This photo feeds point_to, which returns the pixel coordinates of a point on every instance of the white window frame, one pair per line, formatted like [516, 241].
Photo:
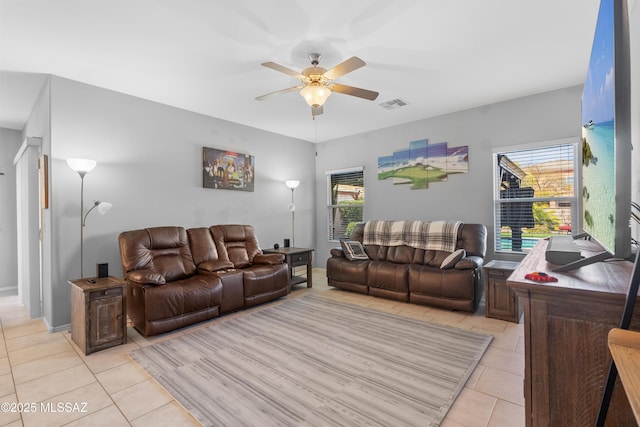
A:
[576, 221]
[330, 206]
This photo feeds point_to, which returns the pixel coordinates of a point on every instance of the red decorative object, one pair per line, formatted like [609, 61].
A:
[565, 227]
[538, 276]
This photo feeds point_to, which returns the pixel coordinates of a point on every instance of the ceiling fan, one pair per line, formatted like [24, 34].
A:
[317, 83]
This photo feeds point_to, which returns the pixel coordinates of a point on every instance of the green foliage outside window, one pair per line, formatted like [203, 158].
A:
[546, 221]
[350, 214]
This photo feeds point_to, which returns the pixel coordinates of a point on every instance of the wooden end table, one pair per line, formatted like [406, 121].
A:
[98, 313]
[296, 257]
[500, 299]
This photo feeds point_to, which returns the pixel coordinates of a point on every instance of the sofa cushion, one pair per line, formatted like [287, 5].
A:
[163, 250]
[341, 270]
[214, 266]
[260, 279]
[473, 239]
[451, 284]
[388, 275]
[180, 297]
[337, 253]
[237, 243]
[451, 260]
[146, 277]
[268, 259]
[170, 264]
[204, 251]
[470, 262]
[401, 254]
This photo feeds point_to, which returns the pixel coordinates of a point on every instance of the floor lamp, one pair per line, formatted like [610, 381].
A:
[83, 167]
[293, 184]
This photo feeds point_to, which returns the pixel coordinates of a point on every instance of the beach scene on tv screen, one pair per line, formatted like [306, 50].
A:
[598, 136]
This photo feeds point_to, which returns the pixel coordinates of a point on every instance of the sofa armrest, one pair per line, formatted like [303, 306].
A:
[469, 263]
[268, 259]
[337, 253]
[214, 265]
[145, 277]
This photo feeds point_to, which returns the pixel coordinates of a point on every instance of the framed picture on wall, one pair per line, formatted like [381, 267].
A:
[227, 170]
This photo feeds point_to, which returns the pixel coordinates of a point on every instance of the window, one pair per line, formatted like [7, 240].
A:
[345, 201]
[535, 195]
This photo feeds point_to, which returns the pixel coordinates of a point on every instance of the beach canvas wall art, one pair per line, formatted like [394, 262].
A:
[422, 163]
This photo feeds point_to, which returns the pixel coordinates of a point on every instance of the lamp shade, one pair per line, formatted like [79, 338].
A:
[104, 207]
[315, 94]
[82, 165]
[292, 183]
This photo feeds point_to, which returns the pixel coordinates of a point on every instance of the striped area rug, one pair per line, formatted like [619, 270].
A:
[310, 361]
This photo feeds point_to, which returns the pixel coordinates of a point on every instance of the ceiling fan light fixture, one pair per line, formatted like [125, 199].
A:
[315, 94]
[317, 82]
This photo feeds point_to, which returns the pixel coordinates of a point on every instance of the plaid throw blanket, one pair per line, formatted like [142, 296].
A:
[427, 235]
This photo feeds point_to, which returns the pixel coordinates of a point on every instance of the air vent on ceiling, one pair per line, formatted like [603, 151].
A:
[394, 103]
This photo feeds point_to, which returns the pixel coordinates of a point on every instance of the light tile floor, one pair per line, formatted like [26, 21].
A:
[53, 383]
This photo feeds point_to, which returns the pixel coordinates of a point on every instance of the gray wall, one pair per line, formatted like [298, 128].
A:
[466, 197]
[149, 166]
[10, 141]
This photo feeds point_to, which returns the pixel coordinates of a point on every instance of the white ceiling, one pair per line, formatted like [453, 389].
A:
[439, 56]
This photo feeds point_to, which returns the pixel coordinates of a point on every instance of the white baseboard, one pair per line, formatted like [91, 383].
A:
[51, 329]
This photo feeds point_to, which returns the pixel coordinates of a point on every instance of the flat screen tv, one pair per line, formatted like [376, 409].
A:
[606, 137]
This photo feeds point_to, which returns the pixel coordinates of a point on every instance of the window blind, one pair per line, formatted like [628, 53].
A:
[345, 201]
[535, 195]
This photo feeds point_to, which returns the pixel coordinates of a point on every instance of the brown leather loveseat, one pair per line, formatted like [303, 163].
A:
[177, 277]
[409, 274]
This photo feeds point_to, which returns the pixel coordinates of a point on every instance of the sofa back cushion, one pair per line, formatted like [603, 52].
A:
[205, 252]
[202, 246]
[237, 243]
[401, 254]
[162, 250]
[405, 255]
[471, 237]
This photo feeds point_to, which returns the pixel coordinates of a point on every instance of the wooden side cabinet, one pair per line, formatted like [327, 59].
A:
[98, 313]
[501, 302]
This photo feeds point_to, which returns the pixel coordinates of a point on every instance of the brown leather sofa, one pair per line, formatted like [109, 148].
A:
[177, 277]
[413, 275]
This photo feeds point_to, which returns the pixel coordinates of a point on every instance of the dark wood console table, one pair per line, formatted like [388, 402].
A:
[296, 257]
[566, 324]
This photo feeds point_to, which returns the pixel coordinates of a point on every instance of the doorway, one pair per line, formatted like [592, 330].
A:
[29, 228]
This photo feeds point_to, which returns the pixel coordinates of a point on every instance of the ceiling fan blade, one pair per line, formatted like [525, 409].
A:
[354, 91]
[316, 111]
[278, 92]
[344, 67]
[283, 69]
